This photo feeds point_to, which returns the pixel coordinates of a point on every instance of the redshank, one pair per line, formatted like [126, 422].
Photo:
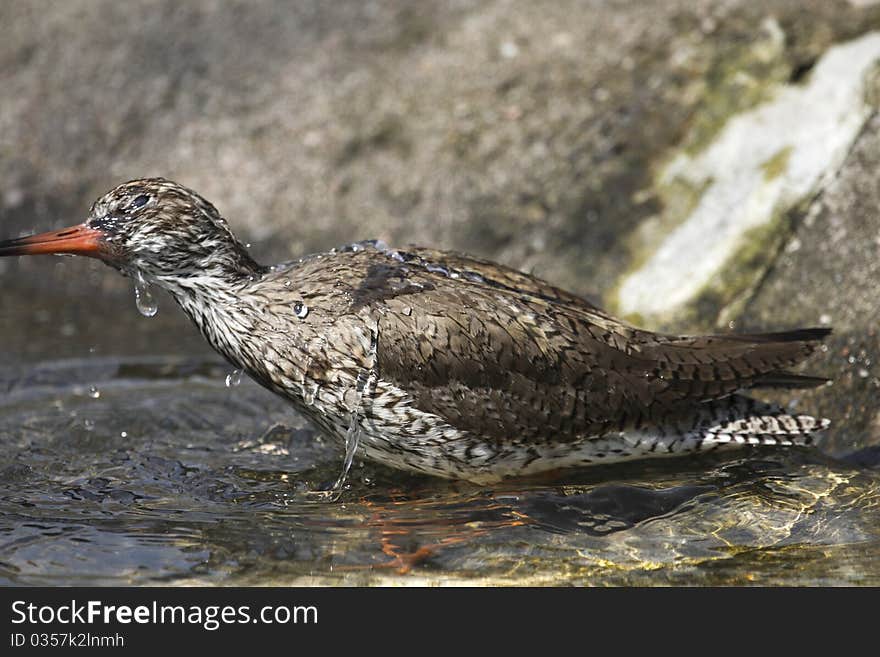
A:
[437, 362]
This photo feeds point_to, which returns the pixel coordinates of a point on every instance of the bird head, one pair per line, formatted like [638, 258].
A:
[151, 229]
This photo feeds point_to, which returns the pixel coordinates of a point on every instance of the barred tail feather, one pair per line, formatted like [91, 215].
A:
[725, 423]
[779, 429]
[742, 420]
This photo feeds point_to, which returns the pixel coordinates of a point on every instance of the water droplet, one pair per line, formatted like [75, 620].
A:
[863, 373]
[351, 399]
[310, 393]
[825, 319]
[143, 298]
[352, 438]
[731, 325]
[363, 380]
[395, 255]
[94, 393]
[301, 310]
[436, 269]
[89, 424]
[123, 434]
[233, 378]
[287, 283]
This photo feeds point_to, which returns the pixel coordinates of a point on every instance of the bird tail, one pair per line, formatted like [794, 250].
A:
[732, 421]
[788, 380]
[743, 420]
[702, 368]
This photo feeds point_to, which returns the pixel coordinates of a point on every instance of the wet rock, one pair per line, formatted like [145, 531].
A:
[828, 272]
[763, 164]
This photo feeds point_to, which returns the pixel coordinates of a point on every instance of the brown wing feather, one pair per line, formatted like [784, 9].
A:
[509, 354]
[501, 276]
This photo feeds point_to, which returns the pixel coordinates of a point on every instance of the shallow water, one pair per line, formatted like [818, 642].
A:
[167, 475]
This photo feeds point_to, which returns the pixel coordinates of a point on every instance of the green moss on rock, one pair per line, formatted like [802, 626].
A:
[776, 165]
[722, 299]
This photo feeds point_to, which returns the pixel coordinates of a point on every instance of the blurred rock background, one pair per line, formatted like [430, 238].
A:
[588, 142]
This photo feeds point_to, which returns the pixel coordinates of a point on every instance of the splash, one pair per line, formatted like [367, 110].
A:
[143, 298]
[352, 440]
[354, 399]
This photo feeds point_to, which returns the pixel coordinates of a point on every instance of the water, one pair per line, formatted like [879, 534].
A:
[431, 267]
[310, 392]
[143, 298]
[178, 479]
[233, 378]
[352, 440]
[301, 310]
[354, 400]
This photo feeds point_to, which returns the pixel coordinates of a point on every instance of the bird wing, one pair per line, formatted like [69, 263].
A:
[505, 354]
[501, 276]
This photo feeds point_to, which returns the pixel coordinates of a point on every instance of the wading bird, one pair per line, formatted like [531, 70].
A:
[436, 362]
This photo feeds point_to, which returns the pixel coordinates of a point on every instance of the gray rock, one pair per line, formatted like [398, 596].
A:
[829, 273]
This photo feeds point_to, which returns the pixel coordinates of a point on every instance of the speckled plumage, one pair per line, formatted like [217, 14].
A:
[447, 364]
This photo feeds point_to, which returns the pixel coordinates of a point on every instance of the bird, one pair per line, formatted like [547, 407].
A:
[440, 363]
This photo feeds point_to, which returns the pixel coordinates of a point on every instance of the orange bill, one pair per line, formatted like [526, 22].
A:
[80, 240]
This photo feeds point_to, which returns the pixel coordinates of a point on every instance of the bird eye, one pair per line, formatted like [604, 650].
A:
[139, 202]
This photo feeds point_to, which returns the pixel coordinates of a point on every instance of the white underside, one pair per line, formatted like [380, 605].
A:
[420, 443]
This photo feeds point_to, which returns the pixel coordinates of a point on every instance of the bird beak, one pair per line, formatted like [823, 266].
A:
[80, 240]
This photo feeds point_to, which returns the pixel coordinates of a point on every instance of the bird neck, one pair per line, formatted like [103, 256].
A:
[225, 319]
[204, 271]
[221, 304]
